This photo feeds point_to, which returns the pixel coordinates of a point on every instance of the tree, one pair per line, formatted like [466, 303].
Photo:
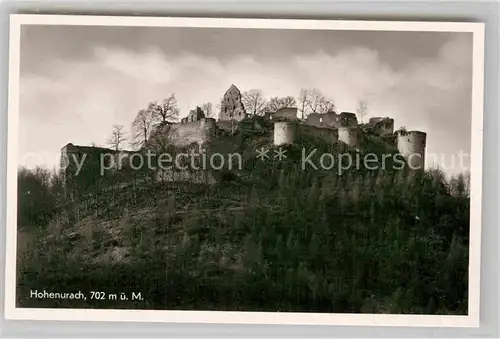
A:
[167, 111]
[327, 105]
[162, 142]
[142, 127]
[318, 103]
[218, 107]
[460, 185]
[362, 110]
[57, 184]
[303, 100]
[254, 102]
[207, 109]
[36, 204]
[314, 101]
[117, 137]
[275, 103]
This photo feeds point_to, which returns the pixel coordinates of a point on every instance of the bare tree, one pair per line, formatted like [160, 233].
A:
[314, 101]
[362, 110]
[218, 108]
[254, 102]
[167, 111]
[162, 141]
[207, 109]
[327, 105]
[318, 103]
[117, 137]
[275, 103]
[142, 126]
[303, 100]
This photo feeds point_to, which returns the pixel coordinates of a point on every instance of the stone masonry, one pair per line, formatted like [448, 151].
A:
[231, 105]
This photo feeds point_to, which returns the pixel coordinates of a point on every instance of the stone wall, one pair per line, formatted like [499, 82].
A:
[194, 115]
[374, 120]
[227, 125]
[285, 113]
[329, 119]
[329, 135]
[350, 136]
[381, 126]
[71, 154]
[286, 133]
[86, 165]
[188, 133]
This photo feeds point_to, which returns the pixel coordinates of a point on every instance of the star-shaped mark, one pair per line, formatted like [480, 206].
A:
[262, 154]
[280, 154]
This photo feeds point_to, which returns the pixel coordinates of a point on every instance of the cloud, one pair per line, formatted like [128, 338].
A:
[149, 66]
[435, 95]
[79, 102]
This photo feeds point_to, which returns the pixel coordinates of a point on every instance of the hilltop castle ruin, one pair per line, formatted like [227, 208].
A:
[287, 128]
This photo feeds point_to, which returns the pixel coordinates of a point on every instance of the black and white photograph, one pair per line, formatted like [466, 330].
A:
[244, 170]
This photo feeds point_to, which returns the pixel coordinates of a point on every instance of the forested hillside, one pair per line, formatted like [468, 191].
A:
[271, 237]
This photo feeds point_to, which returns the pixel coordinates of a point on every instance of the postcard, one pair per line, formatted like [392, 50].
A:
[256, 171]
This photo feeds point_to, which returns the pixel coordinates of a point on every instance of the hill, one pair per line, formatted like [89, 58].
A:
[271, 236]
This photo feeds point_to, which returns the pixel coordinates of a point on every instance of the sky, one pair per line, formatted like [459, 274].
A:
[76, 82]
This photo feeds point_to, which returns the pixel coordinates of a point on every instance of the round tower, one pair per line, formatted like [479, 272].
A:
[411, 145]
[349, 135]
[207, 129]
[284, 133]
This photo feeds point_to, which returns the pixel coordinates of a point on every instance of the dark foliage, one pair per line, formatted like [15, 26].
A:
[279, 238]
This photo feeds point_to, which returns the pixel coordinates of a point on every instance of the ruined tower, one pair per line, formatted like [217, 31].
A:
[381, 126]
[347, 119]
[411, 145]
[231, 107]
[84, 165]
[196, 114]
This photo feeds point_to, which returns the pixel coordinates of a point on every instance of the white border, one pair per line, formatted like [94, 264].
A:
[471, 320]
